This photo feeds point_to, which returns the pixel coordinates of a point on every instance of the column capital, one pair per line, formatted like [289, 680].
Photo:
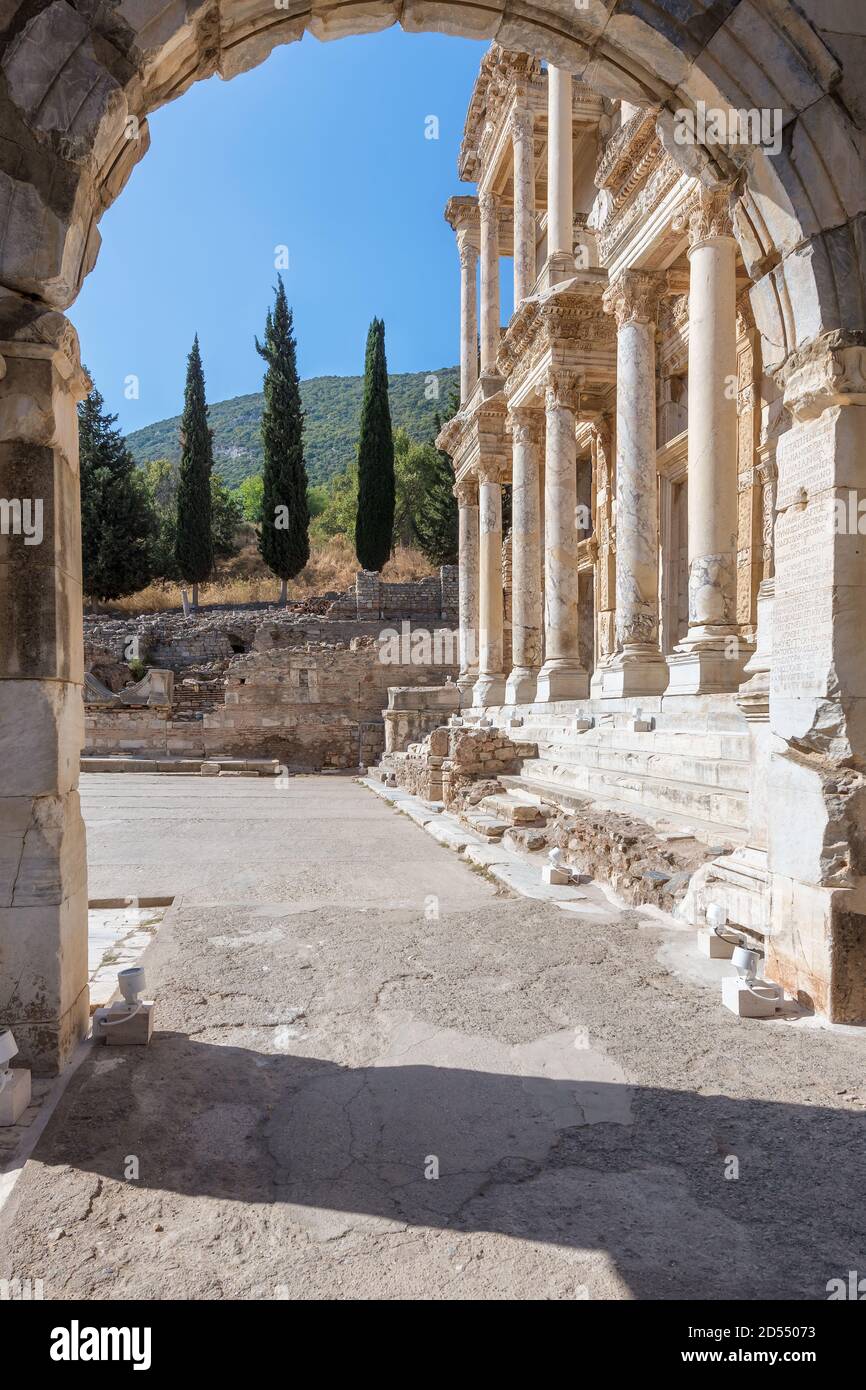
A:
[466, 492]
[561, 388]
[708, 214]
[488, 204]
[525, 424]
[521, 123]
[467, 252]
[489, 470]
[634, 296]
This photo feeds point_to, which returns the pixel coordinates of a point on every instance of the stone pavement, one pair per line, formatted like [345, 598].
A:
[346, 1010]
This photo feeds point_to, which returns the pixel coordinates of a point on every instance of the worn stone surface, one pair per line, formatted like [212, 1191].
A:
[321, 1049]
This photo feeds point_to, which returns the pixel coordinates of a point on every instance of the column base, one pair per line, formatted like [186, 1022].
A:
[521, 686]
[646, 674]
[707, 670]
[566, 681]
[466, 684]
[489, 690]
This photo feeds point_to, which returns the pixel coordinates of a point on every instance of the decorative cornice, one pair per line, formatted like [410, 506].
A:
[634, 297]
[540, 324]
[461, 213]
[626, 148]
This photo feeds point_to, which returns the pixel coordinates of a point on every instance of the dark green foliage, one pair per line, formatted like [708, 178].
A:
[374, 524]
[332, 411]
[118, 524]
[437, 521]
[193, 544]
[283, 540]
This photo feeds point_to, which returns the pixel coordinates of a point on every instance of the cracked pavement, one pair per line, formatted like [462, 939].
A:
[376, 1074]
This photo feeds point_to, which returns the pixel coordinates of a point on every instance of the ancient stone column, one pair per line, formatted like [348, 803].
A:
[490, 687]
[466, 493]
[523, 148]
[527, 633]
[560, 174]
[468, 317]
[561, 677]
[638, 667]
[489, 209]
[707, 659]
[43, 866]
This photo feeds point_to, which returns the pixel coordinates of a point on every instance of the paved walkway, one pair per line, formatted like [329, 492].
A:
[375, 1076]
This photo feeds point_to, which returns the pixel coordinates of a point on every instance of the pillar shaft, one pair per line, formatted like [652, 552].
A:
[526, 592]
[468, 318]
[524, 203]
[43, 866]
[561, 677]
[638, 667]
[706, 659]
[489, 209]
[560, 191]
[490, 687]
[467, 503]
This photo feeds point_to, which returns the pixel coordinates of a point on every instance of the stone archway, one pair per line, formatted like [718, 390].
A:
[76, 87]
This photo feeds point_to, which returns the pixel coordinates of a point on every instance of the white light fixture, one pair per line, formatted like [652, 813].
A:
[130, 1019]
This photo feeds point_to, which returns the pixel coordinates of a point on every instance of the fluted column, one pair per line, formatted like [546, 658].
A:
[638, 667]
[708, 659]
[490, 687]
[489, 208]
[466, 493]
[468, 316]
[560, 176]
[523, 149]
[561, 677]
[527, 634]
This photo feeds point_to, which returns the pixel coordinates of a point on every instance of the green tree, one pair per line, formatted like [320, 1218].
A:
[160, 480]
[118, 525]
[374, 523]
[284, 539]
[337, 517]
[436, 522]
[227, 514]
[193, 544]
[250, 493]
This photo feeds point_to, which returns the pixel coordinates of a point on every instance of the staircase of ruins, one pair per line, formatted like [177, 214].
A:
[685, 771]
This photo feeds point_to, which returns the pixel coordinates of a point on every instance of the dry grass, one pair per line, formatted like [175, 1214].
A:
[245, 579]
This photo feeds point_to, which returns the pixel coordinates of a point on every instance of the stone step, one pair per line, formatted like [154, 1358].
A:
[183, 767]
[489, 827]
[713, 804]
[574, 801]
[706, 770]
[512, 809]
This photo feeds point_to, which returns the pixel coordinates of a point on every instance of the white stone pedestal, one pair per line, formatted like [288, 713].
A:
[14, 1096]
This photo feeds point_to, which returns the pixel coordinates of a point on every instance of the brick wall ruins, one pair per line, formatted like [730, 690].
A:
[304, 686]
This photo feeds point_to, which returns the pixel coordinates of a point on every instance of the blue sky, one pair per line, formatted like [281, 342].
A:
[321, 149]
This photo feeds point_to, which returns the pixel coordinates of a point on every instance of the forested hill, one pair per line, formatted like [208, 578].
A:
[333, 410]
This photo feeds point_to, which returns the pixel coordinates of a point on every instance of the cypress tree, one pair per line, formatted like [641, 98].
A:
[193, 546]
[374, 523]
[284, 538]
[118, 525]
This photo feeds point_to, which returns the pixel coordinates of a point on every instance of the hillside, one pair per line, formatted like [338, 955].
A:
[333, 409]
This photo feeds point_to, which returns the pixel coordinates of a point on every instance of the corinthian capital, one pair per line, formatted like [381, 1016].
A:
[521, 124]
[488, 204]
[561, 389]
[525, 425]
[468, 254]
[489, 470]
[709, 213]
[634, 297]
[466, 492]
